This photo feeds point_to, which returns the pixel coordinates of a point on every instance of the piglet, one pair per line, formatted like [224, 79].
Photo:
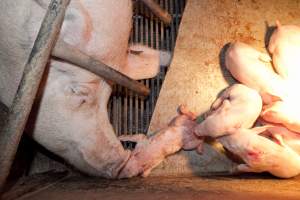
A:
[151, 151]
[229, 124]
[284, 46]
[261, 154]
[254, 69]
[286, 113]
[238, 106]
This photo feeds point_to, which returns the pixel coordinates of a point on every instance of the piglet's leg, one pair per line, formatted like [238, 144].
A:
[144, 62]
[185, 111]
[282, 113]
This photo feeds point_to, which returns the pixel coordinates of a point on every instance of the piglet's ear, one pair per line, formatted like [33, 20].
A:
[144, 62]
[269, 98]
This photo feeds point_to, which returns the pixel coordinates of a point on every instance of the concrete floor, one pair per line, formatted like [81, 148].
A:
[66, 186]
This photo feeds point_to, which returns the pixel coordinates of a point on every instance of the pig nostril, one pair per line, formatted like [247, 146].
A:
[128, 145]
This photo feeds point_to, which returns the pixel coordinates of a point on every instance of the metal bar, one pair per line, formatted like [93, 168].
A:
[136, 100]
[147, 80]
[168, 30]
[12, 131]
[152, 36]
[176, 20]
[67, 52]
[173, 27]
[142, 101]
[125, 113]
[114, 106]
[159, 29]
[130, 96]
[120, 110]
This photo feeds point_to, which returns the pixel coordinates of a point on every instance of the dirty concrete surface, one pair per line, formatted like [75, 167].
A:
[75, 187]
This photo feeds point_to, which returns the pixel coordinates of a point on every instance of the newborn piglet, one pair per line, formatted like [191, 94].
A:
[261, 154]
[150, 151]
[254, 69]
[258, 153]
[286, 113]
[237, 107]
[284, 46]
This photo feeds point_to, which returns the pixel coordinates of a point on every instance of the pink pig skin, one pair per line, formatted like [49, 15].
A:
[284, 46]
[261, 154]
[290, 138]
[254, 69]
[150, 152]
[237, 107]
[231, 129]
[70, 116]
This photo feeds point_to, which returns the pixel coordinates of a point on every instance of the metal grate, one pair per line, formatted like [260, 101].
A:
[128, 113]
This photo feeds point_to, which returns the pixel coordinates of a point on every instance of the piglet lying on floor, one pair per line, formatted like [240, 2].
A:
[254, 69]
[150, 152]
[284, 46]
[259, 153]
[237, 107]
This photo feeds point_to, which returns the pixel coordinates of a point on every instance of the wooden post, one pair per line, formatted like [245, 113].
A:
[12, 131]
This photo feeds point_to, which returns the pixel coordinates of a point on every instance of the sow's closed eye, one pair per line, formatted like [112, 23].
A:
[80, 95]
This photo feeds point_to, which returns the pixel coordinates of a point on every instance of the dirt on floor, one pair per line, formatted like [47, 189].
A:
[69, 186]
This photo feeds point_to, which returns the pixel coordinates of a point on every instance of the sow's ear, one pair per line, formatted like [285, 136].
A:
[144, 62]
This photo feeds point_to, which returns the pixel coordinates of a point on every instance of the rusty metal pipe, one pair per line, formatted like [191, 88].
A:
[12, 131]
[72, 55]
[163, 15]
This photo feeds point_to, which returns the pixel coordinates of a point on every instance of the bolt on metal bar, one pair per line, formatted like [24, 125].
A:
[12, 131]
